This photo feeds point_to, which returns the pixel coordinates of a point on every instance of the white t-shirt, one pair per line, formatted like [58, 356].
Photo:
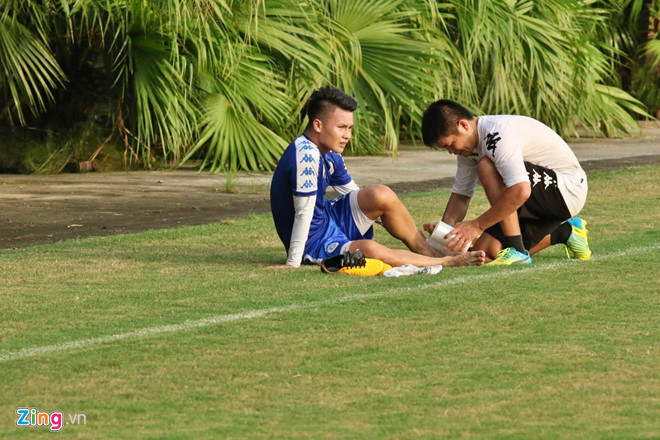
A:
[510, 141]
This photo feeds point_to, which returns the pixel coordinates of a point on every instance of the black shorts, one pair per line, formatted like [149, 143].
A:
[542, 212]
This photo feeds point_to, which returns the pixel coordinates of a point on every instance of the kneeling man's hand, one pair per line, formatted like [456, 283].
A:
[465, 234]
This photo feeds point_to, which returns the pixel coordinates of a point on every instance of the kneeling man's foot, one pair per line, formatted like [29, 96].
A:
[511, 256]
[578, 242]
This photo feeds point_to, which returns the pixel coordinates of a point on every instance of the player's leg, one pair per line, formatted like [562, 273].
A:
[545, 217]
[399, 257]
[573, 234]
[537, 233]
[489, 244]
[507, 246]
[494, 187]
[380, 201]
[513, 250]
[347, 214]
[492, 240]
[543, 244]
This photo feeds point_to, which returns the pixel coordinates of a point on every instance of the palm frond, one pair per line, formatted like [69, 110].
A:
[384, 58]
[653, 52]
[250, 66]
[234, 139]
[164, 110]
[538, 59]
[28, 71]
[285, 31]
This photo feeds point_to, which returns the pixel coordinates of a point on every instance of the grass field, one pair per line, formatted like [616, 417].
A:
[184, 334]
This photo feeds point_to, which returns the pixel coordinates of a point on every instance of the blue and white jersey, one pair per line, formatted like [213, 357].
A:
[304, 172]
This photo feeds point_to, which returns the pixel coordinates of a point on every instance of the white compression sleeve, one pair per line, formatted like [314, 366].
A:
[346, 188]
[304, 207]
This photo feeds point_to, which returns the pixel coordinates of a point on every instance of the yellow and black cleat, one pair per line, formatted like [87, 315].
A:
[354, 264]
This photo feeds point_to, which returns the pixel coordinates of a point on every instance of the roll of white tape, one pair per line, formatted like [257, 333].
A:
[437, 240]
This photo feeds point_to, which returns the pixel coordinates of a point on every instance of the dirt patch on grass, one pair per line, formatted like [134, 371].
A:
[47, 209]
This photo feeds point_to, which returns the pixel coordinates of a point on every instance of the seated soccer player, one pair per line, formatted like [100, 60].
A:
[313, 229]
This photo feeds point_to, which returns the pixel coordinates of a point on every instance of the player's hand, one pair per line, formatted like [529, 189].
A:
[430, 227]
[464, 234]
[281, 266]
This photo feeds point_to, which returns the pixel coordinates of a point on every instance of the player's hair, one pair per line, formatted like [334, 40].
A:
[441, 119]
[326, 97]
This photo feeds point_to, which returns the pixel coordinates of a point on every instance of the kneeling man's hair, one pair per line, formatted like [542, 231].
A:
[441, 119]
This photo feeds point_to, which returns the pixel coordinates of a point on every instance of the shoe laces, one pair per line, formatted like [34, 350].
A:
[507, 254]
[356, 259]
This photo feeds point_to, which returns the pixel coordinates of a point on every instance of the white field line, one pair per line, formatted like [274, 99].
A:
[206, 322]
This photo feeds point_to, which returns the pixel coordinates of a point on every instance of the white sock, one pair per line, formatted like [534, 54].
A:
[409, 269]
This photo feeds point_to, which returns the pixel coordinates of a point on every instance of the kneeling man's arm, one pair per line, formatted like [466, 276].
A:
[511, 199]
[456, 209]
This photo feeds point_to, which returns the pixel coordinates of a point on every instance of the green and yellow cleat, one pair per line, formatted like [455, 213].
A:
[577, 245]
[511, 256]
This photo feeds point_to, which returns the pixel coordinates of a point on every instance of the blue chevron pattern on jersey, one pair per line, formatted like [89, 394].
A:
[304, 171]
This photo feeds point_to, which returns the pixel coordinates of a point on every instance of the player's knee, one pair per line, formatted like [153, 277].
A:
[372, 249]
[381, 195]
